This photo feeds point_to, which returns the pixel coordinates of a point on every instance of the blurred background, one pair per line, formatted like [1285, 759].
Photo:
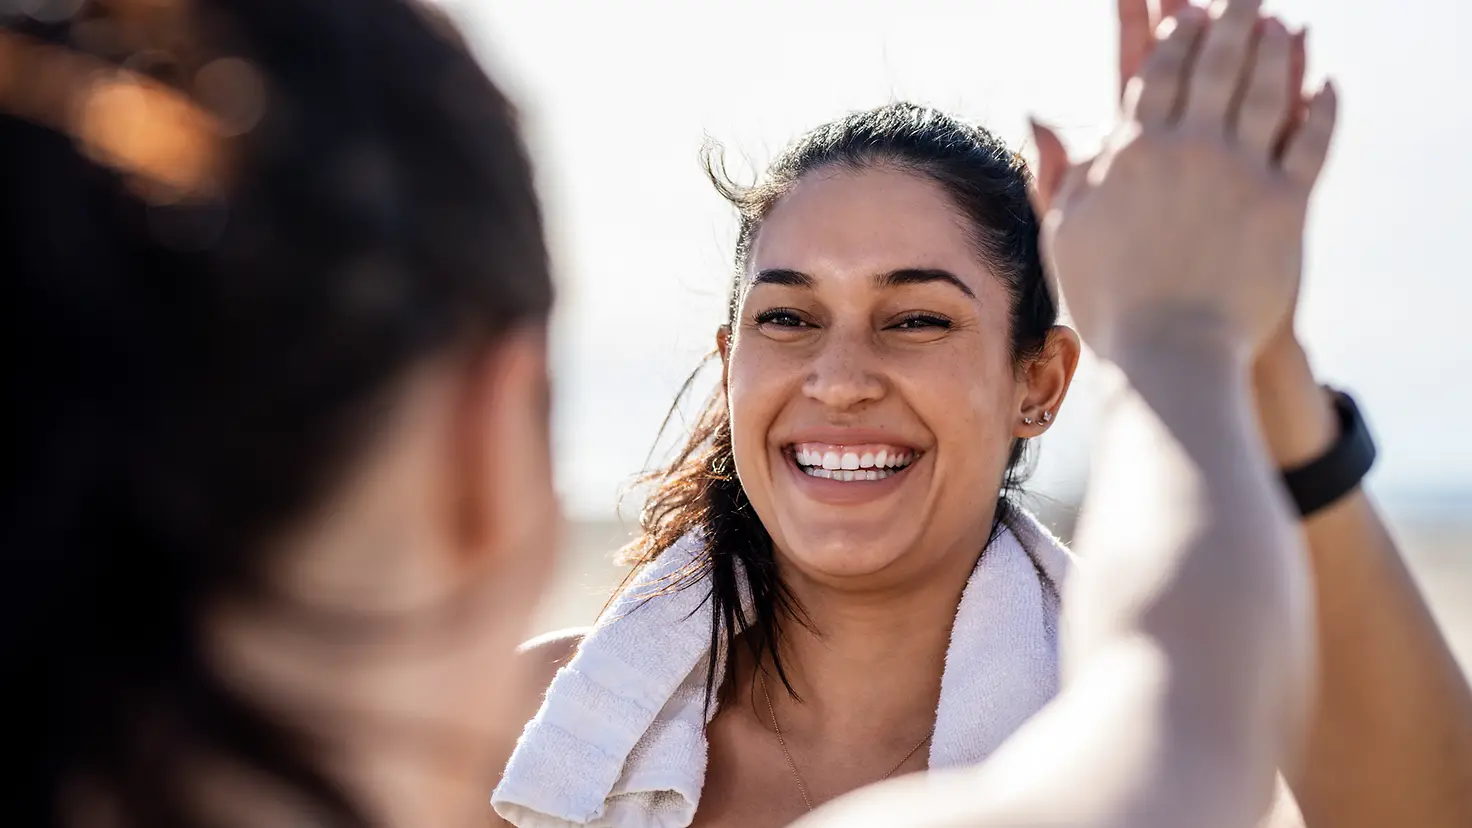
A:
[619, 97]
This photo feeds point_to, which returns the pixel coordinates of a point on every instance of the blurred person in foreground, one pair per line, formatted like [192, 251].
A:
[835, 583]
[279, 498]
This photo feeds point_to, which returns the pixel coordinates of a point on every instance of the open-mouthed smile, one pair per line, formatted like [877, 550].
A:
[851, 463]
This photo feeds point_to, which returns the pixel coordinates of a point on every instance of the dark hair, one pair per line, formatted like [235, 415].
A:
[699, 490]
[209, 299]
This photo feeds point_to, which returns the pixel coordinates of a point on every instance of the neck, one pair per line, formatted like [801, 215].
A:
[869, 669]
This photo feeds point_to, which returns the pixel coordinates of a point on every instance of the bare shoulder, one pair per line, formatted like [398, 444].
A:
[536, 662]
[541, 657]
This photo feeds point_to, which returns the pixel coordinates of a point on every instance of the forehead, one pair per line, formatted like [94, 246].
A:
[847, 223]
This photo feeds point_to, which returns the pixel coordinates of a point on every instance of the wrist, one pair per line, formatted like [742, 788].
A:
[1197, 376]
[1169, 342]
[1296, 414]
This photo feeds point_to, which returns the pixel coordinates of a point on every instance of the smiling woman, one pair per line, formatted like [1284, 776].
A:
[846, 499]
[907, 333]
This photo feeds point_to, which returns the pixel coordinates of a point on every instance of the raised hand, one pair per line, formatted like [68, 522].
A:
[1138, 23]
[1192, 217]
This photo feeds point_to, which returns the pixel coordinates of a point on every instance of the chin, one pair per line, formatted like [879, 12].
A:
[842, 552]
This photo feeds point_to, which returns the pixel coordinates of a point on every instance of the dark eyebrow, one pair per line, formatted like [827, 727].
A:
[782, 276]
[894, 278]
[920, 276]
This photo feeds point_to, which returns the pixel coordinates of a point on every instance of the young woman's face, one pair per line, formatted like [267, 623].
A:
[869, 375]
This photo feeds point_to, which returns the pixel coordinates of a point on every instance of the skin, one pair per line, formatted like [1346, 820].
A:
[1390, 741]
[414, 702]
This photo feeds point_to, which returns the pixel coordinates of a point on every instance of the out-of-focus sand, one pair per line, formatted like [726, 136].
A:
[1440, 556]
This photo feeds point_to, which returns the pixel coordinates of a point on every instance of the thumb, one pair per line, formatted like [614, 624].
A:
[1052, 168]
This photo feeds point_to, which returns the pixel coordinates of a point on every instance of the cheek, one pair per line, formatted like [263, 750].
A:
[755, 392]
[970, 405]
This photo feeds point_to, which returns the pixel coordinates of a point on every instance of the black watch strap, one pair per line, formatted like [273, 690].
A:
[1338, 471]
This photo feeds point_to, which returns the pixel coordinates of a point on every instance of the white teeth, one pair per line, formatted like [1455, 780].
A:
[850, 465]
[848, 475]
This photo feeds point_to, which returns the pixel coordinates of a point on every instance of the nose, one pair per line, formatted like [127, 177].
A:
[845, 374]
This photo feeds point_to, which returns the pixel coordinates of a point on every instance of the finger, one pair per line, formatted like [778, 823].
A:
[1167, 9]
[1052, 168]
[1267, 100]
[1136, 37]
[1155, 93]
[1219, 67]
[1309, 146]
[1298, 62]
[1298, 67]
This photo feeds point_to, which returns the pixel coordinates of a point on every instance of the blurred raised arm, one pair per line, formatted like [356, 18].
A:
[1390, 740]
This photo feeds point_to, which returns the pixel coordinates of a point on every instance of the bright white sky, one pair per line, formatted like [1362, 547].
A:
[618, 97]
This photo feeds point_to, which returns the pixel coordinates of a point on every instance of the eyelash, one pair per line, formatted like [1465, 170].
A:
[771, 317]
[930, 320]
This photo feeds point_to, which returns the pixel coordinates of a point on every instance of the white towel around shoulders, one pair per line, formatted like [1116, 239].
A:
[620, 739]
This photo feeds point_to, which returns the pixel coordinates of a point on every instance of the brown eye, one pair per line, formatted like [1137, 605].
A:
[922, 321]
[781, 318]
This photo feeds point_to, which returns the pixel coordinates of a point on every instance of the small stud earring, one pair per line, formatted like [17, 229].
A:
[1027, 420]
[1047, 416]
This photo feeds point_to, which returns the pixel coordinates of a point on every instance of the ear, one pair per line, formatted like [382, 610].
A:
[1046, 382]
[507, 515]
[723, 347]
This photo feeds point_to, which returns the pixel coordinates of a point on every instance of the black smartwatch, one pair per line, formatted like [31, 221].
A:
[1338, 471]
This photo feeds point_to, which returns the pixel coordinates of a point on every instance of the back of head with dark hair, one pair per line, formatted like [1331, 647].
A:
[699, 491]
[216, 264]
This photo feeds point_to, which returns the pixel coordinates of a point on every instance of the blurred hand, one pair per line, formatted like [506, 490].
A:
[1139, 23]
[1296, 419]
[1192, 217]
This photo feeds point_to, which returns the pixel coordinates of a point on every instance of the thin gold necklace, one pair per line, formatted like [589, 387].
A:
[803, 789]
